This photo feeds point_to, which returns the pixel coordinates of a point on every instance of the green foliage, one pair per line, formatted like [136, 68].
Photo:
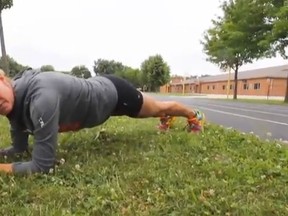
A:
[239, 37]
[102, 66]
[155, 72]
[118, 169]
[5, 4]
[81, 71]
[236, 38]
[279, 36]
[132, 75]
[14, 66]
[47, 68]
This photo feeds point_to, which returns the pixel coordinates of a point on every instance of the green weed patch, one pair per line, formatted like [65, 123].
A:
[126, 167]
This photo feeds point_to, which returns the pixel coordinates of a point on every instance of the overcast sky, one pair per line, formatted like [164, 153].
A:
[66, 33]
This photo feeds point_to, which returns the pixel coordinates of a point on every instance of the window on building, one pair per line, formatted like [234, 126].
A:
[231, 86]
[223, 87]
[213, 87]
[256, 85]
[208, 87]
[245, 86]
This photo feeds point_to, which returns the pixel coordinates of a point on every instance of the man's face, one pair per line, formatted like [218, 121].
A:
[6, 96]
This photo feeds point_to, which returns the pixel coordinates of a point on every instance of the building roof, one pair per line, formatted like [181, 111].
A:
[269, 72]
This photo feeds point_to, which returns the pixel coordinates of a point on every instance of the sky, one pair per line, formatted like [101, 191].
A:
[67, 33]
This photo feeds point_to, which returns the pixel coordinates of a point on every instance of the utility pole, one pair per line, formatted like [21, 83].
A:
[3, 49]
[228, 82]
[286, 93]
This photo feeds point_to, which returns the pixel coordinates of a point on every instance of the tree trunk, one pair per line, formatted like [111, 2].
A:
[3, 49]
[286, 94]
[235, 82]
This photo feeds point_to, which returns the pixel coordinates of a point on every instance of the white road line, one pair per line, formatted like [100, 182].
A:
[243, 116]
[250, 110]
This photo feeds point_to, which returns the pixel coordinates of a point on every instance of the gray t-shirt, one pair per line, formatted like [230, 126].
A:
[50, 102]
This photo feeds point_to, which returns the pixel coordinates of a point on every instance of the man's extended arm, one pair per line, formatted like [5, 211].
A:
[44, 113]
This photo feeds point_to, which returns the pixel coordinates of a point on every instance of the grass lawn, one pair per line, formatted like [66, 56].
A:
[259, 101]
[126, 167]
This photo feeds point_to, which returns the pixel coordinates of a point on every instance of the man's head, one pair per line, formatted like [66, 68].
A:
[6, 94]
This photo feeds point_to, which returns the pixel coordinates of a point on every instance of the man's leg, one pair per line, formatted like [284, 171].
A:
[167, 109]
[136, 104]
[154, 108]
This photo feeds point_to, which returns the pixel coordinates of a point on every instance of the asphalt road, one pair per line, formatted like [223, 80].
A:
[266, 121]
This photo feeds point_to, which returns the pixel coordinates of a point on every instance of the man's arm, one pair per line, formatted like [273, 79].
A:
[44, 113]
[19, 139]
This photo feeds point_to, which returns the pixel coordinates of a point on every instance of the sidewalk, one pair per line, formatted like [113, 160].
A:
[280, 98]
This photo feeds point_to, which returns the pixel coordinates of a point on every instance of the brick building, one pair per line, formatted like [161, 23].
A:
[271, 81]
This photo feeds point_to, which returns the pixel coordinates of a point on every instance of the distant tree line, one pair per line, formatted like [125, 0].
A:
[154, 72]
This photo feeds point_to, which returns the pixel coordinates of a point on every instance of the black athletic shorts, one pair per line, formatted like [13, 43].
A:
[130, 100]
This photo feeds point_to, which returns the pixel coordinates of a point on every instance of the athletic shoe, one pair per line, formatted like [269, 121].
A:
[196, 124]
[166, 122]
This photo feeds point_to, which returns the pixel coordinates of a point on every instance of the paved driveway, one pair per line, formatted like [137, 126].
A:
[266, 121]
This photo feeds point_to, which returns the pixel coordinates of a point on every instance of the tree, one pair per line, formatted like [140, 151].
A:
[280, 31]
[47, 68]
[276, 15]
[132, 75]
[4, 4]
[280, 35]
[81, 71]
[239, 37]
[155, 72]
[15, 67]
[102, 66]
